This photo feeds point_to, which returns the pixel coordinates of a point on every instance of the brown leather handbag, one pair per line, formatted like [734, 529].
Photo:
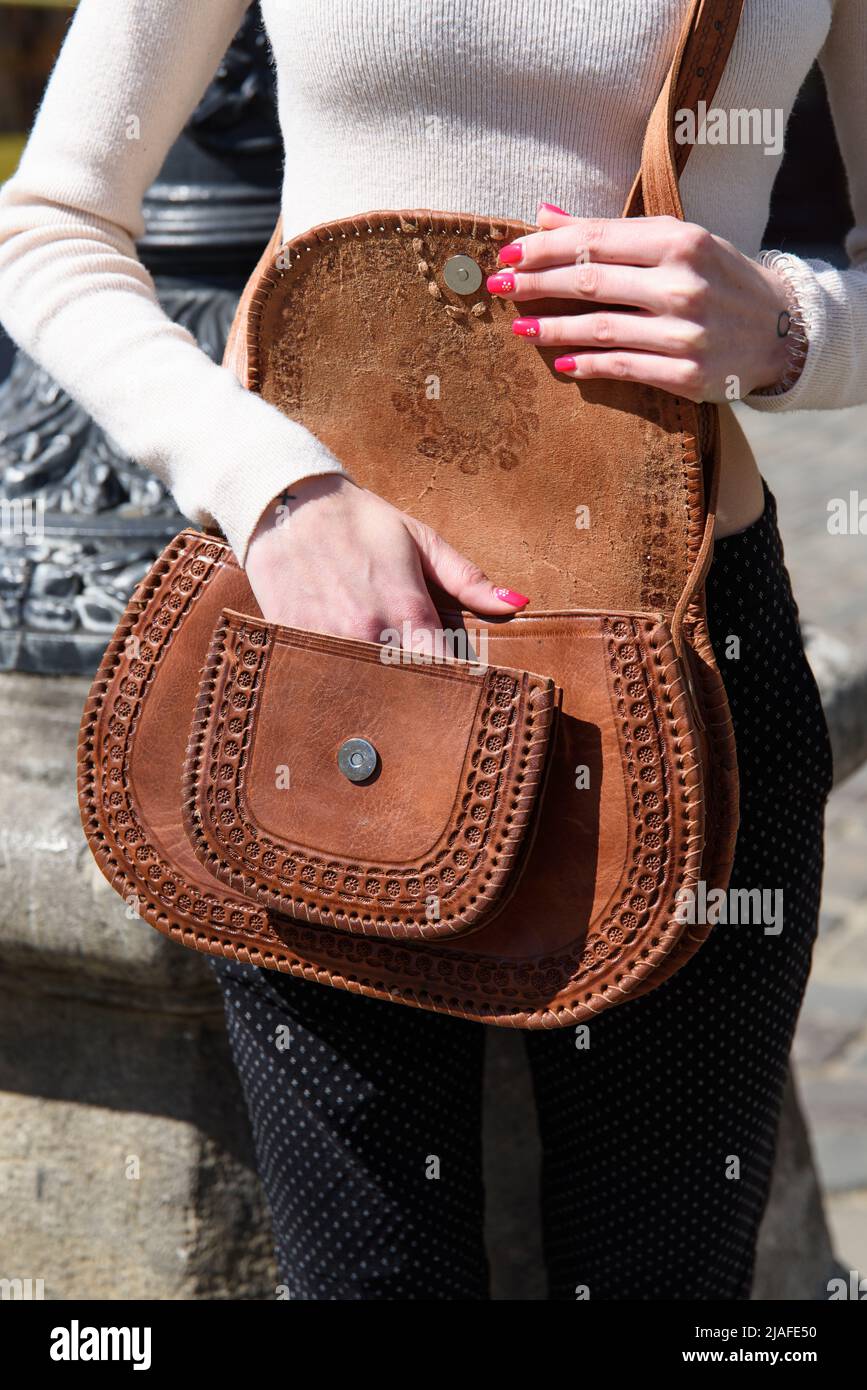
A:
[501, 834]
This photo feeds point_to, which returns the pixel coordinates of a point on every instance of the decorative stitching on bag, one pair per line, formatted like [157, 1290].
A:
[174, 584]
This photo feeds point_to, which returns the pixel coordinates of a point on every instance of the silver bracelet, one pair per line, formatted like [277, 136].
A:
[790, 324]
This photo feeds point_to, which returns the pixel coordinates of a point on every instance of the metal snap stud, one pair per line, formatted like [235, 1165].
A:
[357, 759]
[462, 274]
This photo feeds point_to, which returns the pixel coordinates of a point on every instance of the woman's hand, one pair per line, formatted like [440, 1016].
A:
[332, 557]
[690, 314]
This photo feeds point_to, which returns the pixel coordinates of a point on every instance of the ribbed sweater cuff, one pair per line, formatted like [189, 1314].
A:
[834, 357]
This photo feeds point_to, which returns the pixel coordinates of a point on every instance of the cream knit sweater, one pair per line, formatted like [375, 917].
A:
[466, 105]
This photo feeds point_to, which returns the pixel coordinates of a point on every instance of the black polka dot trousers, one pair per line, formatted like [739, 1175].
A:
[658, 1135]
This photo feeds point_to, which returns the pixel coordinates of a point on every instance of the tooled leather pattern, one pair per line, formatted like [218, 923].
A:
[111, 815]
[633, 941]
[471, 863]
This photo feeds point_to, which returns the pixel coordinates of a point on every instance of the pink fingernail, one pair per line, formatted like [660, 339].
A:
[511, 254]
[565, 364]
[551, 207]
[526, 328]
[501, 284]
[511, 596]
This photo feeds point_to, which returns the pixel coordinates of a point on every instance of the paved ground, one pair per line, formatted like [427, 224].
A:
[808, 459]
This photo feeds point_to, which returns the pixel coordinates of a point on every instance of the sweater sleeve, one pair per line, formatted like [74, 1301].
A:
[75, 296]
[834, 302]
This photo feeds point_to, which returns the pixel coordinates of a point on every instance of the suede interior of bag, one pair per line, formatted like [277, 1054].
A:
[430, 400]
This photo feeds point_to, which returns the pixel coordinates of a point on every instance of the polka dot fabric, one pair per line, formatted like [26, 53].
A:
[360, 1103]
[658, 1136]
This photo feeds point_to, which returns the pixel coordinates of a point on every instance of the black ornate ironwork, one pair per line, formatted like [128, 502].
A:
[80, 522]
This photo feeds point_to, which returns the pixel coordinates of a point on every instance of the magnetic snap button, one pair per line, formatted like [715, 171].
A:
[462, 274]
[357, 759]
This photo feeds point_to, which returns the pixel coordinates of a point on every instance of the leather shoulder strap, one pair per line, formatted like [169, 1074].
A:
[699, 59]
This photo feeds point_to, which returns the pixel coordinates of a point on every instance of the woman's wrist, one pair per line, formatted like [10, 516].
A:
[286, 503]
[791, 325]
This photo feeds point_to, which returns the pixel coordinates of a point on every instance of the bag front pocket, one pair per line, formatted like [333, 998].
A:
[344, 783]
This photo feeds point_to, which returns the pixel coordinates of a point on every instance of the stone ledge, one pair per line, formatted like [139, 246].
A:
[841, 676]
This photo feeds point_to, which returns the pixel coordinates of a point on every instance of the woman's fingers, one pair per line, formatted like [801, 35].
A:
[642, 241]
[458, 576]
[655, 263]
[682, 377]
[710, 326]
[660, 333]
[602, 284]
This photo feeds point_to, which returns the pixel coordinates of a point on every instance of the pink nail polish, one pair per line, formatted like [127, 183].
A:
[552, 207]
[526, 328]
[510, 596]
[564, 364]
[511, 254]
[501, 284]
